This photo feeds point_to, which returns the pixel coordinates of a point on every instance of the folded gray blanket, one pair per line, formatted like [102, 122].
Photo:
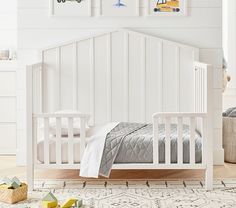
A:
[133, 143]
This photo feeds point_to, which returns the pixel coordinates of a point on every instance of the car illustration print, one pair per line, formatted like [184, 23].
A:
[167, 6]
[63, 1]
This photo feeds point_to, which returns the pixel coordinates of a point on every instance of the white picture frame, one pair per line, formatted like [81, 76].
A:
[70, 8]
[119, 8]
[167, 8]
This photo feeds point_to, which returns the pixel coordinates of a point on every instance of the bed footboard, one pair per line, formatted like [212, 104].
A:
[194, 120]
[44, 129]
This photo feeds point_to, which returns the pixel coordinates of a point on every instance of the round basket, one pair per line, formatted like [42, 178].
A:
[229, 139]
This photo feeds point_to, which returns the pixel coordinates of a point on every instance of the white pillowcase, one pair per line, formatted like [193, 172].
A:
[65, 125]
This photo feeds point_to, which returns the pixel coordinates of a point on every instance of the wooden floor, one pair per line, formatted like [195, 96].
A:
[8, 168]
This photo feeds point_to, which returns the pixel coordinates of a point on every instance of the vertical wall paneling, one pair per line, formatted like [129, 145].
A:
[126, 75]
[101, 96]
[41, 89]
[109, 78]
[169, 76]
[153, 77]
[135, 78]
[67, 76]
[51, 85]
[43, 83]
[177, 69]
[75, 76]
[120, 76]
[84, 76]
[58, 77]
[92, 82]
[43, 96]
[118, 86]
[143, 97]
[160, 65]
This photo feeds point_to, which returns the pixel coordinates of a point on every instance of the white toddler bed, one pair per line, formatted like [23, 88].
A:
[136, 78]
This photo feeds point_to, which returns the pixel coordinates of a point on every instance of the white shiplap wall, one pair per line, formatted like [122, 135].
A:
[202, 28]
[8, 28]
[229, 44]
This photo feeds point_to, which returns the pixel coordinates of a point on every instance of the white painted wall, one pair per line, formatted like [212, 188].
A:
[8, 40]
[8, 28]
[202, 28]
[229, 45]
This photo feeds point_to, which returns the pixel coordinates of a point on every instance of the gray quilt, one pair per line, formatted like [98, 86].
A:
[133, 143]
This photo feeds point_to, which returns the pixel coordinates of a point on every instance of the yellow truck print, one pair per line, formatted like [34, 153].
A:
[167, 6]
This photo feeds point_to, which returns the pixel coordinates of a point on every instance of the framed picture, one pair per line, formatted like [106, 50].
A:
[167, 7]
[70, 8]
[120, 8]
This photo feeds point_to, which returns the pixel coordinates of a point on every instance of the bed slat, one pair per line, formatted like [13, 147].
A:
[35, 141]
[70, 141]
[192, 140]
[58, 141]
[180, 140]
[204, 142]
[167, 140]
[82, 136]
[155, 142]
[46, 141]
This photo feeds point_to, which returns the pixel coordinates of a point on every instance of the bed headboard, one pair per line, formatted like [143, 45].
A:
[120, 75]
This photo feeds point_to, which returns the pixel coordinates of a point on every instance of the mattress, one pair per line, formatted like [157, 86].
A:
[135, 148]
[64, 147]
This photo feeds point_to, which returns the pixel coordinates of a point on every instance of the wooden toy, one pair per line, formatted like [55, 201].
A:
[49, 201]
[72, 203]
[16, 180]
[15, 185]
[7, 181]
[69, 203]
[4, 186]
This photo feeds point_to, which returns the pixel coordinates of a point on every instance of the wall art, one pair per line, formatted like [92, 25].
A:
[167, 7]
[70, 8]
[119, 8]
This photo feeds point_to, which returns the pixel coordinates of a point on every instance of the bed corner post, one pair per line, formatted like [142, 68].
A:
[29, 125]
[209, 140]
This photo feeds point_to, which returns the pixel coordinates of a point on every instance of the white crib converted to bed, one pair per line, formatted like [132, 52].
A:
[120, 75]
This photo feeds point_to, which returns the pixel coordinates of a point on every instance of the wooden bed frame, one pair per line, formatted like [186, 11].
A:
[40, 90]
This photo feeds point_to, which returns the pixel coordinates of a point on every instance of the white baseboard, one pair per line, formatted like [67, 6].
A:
[7, 151]
[218, 156]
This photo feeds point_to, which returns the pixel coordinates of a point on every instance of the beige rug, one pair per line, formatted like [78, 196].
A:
[136, 194]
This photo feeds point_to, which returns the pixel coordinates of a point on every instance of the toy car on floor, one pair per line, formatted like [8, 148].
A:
[167, 6]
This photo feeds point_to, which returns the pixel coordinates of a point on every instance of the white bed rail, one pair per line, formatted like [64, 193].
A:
[204, 103]
[179, 119]
[200, 120]
[45, 121]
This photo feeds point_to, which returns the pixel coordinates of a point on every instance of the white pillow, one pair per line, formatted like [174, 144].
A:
[65, 125]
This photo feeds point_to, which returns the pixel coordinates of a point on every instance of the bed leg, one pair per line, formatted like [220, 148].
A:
[30, 177]
[209, 178]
